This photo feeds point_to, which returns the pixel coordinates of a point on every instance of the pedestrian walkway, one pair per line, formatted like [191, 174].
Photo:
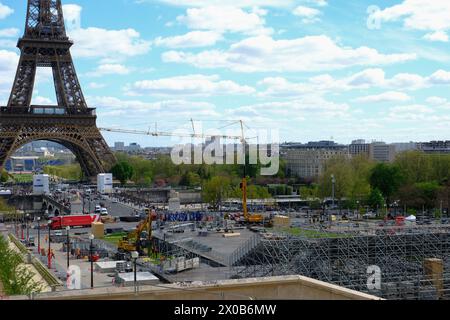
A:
[100, 279]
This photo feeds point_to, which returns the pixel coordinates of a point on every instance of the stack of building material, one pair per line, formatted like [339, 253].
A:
[143, 278]
[231, 235]
[281, 221]
[107, 266]
[434, 269]
[98, 230]
[108, 219]
[181, 264]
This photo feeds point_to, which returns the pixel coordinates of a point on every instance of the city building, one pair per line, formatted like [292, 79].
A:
[435, 147]
[382, 152]
[119, 146]
[359, 147]
[133, 148]
[308, 160]
[405, 146]
[379, 151]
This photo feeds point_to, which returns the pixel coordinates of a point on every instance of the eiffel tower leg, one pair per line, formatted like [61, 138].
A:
[22, 90]
[86, 144]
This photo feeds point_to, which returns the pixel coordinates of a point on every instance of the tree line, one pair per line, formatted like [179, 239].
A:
[415, 180]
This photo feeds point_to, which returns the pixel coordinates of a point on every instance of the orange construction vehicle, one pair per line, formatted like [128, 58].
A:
[140, 237]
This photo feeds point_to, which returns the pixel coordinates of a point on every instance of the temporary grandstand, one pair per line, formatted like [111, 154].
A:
[414, 261]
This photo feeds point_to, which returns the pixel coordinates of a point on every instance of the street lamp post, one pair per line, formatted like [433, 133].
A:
[91, 249]
[27, 220]
[357, 209]
[333, 182]
[84, 198]
[22, 226]
[68, 247]
[135, 256]
[49, 255]
[39, 234]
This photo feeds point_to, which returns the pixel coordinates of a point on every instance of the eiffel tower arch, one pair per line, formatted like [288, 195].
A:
[71, 122]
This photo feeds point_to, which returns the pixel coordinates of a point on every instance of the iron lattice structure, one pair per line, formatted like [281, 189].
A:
[70, 123]
[343, 259]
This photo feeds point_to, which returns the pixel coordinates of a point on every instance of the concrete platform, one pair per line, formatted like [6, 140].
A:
[221, 248]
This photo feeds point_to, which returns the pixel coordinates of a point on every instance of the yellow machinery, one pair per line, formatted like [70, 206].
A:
[136, 239]
[248, 218]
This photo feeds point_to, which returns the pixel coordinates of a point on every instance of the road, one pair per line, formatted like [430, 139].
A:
[114, 209]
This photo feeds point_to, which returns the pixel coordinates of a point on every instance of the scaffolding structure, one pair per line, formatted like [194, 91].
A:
[402, 254]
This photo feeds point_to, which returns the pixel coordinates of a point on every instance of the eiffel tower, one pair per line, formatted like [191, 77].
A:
[70, 123]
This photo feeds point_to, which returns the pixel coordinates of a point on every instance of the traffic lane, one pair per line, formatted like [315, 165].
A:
[126, 226]
[114, 209]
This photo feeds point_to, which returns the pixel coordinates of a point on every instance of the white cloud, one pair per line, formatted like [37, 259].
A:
[9, 32]
[107, 69]
[411, 112]
[5, 11]
[305, 107]
[234, 3]
[308, 14]
[264, 54]
[439, 102]
[225, 19]
[366, 79]
[436, 100]
[168, 109]
[192, 39]
[190, 85]
[320, 3]
[42, 101]
[97, 42]
[7, 44]
[96, 85]
[390, 96]
[72, 16]
[440, 77]
[8, 65]
[439, 36]
[102, 43]
[421, 15]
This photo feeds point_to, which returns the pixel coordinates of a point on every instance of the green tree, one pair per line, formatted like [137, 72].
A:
[375, 200]
[216, 190]
[386, 178]
[4, 176]
[16, 278]
[309, 192]
[123, 171]
[257, 192]
[68, 172]
[414, 166]
[341, 169]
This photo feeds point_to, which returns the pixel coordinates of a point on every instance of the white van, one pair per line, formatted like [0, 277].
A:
[103, 212]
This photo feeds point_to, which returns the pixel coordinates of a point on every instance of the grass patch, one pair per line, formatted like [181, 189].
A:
[115, 237]
[23, 178]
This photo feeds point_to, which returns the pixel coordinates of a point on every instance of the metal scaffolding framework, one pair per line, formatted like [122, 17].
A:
[414, 261]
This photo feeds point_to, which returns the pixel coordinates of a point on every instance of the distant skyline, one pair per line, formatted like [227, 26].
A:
[312, 69]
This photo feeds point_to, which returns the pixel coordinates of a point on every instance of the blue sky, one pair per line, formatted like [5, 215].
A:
[311, 69]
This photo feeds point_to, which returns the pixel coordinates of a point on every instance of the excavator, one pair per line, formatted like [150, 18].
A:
[140, 237]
